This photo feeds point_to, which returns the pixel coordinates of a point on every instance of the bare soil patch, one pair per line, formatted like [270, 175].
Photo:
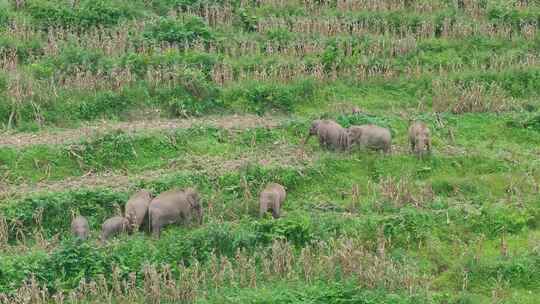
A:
[59, 137]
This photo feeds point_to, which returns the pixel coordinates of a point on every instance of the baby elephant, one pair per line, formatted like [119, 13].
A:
[420, 138]
[174, 206]
[272, 197]
[113, 226]
[80, 227]
[372, 137]
[137, 209]
[331, 135]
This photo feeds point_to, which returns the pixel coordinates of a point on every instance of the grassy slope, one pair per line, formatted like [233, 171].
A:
[461, 226]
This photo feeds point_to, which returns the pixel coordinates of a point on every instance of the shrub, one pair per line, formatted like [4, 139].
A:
[181, 32]
[15, 269]
[262, 97]
[56, 210]
[280, 35]
[4, 18]
[516, 18]
[106, 104]
[73, 261]
[72, 60]
[88, 13]
[363, 118]
[247, 21]
[192, 95]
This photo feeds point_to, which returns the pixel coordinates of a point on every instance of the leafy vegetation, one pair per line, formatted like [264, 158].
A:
[458, 226]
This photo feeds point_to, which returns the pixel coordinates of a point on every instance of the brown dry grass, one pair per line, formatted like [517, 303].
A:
[323, 260]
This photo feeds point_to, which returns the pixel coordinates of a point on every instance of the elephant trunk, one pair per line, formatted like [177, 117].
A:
[200, 216]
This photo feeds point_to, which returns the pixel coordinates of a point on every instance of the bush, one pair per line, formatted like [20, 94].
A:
[514, 17]
[107, 104]
[72, 60]
[181, 32]
[56, 210]
[192, 95]
[73, 261]
[362, 119]
[88, 13]
[4, 18]
[260, 98]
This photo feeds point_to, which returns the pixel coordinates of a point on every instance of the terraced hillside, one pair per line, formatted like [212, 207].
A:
[101, 98]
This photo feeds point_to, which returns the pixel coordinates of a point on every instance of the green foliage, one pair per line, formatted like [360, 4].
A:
[4, 18]
[194, 95]
[262, 97]
[280, 35]
[87, 13]
[318, 292]
[357, 119]
[71, 61]
[505, 14]
[73, 261]
[14, 269]
[55, 210]
[248, 22]
[475, 197]
[179, 31]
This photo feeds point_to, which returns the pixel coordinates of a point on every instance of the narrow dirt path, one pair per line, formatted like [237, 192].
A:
[281, 155]
[59, 137]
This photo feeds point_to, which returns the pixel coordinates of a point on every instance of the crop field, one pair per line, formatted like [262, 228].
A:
[99, 99]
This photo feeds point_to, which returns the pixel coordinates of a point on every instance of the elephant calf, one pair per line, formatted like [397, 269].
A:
[113, 226]
[371, 136]
[272, 197]
[137, 209]
[331, 135]
[174, 206]
[80, 227]
[420, 138]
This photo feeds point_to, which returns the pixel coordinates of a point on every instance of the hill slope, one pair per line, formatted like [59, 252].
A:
[101, 98]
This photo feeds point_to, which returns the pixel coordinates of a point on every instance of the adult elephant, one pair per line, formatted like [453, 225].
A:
[174, 206]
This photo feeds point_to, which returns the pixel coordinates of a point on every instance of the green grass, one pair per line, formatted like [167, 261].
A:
[460, 226]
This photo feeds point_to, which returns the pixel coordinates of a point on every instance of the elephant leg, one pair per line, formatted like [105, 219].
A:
[156, 229]
[275, 212]
[263, 209]
[189, 218]
[322, 143]
[412, 146]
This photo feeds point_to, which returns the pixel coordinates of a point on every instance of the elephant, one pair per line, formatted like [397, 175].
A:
[80, 227]
[420, 138]
[113, 226]
[371, 136]
[174, 206]
[331, 134]
[137, 209]
[272, 197]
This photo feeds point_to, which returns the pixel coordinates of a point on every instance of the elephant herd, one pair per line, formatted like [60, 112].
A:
[335, 137]
[169, 207]
[176, 206]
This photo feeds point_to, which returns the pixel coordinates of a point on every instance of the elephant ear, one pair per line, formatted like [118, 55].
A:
[193, 198]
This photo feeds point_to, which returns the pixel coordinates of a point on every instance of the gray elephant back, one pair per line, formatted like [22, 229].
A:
[137, 207]
[334, 134]
[113, 226]
[371, 136]
[274, 191]
[80, 227]
[419, 137]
